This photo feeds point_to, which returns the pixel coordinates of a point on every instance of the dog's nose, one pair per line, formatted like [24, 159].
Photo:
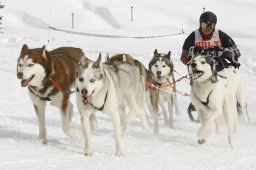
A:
[193, 65]
[20, 75]
[158, 73]
[84, 92]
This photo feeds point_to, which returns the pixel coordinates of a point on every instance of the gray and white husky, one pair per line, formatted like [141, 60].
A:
[162, 67]
[102, 87]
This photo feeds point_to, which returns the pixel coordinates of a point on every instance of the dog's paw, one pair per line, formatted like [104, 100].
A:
[88, 151]
[44, 141]
[119, 152]
[201, 141]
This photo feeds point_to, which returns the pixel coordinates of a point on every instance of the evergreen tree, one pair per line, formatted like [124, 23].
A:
[1, 17]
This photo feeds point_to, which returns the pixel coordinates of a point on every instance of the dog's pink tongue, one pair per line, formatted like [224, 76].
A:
[24, 83]
[87, 100]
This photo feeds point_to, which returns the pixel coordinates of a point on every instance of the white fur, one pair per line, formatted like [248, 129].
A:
[124, 88]
[29, 68]
[166, 94]
[222, 94]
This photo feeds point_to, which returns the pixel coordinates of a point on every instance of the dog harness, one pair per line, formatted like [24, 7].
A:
[207, 100]
[102, 107]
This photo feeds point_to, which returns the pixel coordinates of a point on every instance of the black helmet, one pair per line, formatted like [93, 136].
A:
[208, 17]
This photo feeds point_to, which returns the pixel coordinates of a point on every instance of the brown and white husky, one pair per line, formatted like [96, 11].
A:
[49, 76]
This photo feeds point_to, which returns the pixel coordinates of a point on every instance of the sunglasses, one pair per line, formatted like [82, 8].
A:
[205, 25]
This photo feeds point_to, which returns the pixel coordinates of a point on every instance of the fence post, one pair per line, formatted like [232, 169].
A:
[72, 14]
[131, 13]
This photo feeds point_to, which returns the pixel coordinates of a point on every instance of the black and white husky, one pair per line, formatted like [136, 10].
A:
[215, 94]
[162, 68]
[102, 87]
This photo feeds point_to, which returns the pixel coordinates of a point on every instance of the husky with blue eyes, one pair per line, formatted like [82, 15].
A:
[109, 88]
[162, 68]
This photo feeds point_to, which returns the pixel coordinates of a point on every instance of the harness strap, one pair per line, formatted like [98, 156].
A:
[158, 85]
[47, 98]
[224, 77]
[170, 84]
[207, 101]
[56, 85]
[59, 88]
[205, 81]
[102, 107]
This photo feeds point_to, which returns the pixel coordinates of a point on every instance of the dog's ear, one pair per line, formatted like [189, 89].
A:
[214, 70]
[107, 58]
[44, 54]
[83, 60]
[24, 49]
[168, 56]
[155, 52]
[98, 62]
[212, 63]
[44, 47]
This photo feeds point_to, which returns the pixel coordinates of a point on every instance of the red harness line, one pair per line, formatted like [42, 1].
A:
[181, 76]
[56, 85]
[151, 85]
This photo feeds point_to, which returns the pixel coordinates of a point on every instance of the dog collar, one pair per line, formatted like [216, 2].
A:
[210, 78]
[47, 98]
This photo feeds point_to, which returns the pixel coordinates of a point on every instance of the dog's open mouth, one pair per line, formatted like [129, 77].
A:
[87, 99]
[25, 82]
[196, 74]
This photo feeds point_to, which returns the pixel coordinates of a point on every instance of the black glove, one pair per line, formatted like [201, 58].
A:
[231, 58]
[221, 63]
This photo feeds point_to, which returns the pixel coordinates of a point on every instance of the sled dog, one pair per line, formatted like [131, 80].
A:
[215, 94]
[162, 68]
[49, 76]
[109, 89]
[130, 60]
[151, 93]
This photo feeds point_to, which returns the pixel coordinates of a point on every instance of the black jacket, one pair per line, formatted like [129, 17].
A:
[226, 42]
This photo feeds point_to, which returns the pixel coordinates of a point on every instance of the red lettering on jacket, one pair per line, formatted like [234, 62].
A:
[207, 44]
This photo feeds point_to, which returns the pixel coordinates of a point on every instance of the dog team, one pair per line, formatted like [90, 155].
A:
[121, 86]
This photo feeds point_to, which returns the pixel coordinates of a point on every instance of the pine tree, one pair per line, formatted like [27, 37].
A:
[1, 17]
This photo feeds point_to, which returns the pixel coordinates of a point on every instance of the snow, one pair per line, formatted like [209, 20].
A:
[27, 22]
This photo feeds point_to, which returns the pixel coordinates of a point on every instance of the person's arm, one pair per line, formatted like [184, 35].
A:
[189, 42]
[228, 42]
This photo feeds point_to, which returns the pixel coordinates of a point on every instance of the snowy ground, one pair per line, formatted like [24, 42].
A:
[27, 22]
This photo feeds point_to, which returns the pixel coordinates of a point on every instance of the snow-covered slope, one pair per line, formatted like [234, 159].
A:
[27, 22]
